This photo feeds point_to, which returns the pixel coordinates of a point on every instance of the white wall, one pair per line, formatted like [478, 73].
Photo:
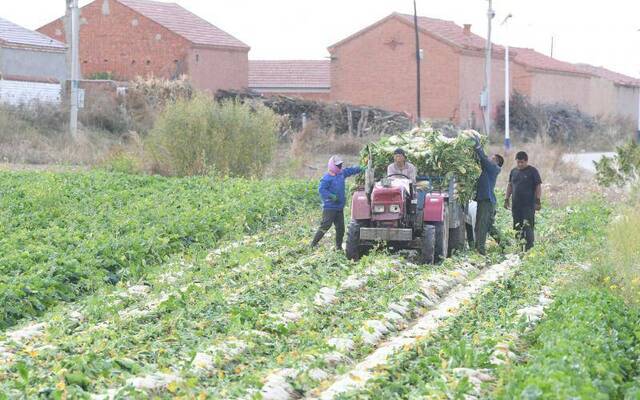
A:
[18, 92]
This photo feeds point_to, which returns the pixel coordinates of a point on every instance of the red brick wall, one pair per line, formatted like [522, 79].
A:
[378, 69]
[521, 79]
[212, 69]
[123, 42]
[471, 84]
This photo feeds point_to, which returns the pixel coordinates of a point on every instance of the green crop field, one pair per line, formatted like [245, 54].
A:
[115, 286]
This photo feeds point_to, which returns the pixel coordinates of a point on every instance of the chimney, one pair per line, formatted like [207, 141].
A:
[467, 29]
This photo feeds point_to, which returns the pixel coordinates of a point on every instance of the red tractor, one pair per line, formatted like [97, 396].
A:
[403, 215]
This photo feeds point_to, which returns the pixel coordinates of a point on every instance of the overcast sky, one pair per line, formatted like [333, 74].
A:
[603, 33]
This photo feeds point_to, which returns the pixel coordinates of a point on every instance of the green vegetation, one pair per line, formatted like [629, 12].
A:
[587, 348]
[197, 135]
[433, 154]
[438, 366]
[621, 169]
[65, 235]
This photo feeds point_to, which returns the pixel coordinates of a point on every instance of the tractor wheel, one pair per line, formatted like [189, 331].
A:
[428, 244]
[352, 248]
[442, 238]
[457, 236]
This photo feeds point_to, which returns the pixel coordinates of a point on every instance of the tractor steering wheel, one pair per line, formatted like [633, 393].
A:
[403, 175]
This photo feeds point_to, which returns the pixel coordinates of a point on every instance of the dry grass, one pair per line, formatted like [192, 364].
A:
[563, 182]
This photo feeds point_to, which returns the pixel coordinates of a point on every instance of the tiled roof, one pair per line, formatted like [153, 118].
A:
[290, 74]
[13, 34]
[450, 32]
[184, 23]
[446, 31]
[604, 73]
[533, 59]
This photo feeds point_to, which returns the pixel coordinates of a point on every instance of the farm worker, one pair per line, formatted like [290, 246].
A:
[401, 166]
[332, 193]
[526, 187]
[485, 197]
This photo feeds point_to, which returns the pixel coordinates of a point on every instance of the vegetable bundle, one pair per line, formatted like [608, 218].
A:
[434, 155]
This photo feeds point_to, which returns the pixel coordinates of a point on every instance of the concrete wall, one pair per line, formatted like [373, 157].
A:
[212, 69]
[602, 97]
[115, 39]
[33, 63]
[626, 100]
[20, 92]
[378, 69]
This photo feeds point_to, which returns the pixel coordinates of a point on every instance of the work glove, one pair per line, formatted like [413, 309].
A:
[333, 198]
[538, 206]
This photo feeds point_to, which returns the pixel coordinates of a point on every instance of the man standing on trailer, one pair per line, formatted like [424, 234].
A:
[486, 198]
[526, 187]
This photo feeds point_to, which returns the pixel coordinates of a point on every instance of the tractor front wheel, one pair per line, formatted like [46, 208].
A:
[352, 249]
[428, 244]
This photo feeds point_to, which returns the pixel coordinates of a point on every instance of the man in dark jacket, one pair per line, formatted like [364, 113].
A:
[526, 186]
[486, 198]
[332, 193]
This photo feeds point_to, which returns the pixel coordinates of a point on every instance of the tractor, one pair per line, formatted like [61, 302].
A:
[400, 214]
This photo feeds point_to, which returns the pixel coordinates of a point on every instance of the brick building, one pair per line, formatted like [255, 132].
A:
[376, 66]
[130, 38]
[309, 79]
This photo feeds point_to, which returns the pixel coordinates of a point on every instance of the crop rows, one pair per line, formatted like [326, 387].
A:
[221, 323]
[469, 356]
[63, 236]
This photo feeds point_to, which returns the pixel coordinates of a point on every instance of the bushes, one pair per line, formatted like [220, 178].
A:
[193, 136]
[561, 123]
[621, 169]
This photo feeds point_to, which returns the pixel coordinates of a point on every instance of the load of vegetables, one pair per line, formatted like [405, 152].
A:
[434, 155]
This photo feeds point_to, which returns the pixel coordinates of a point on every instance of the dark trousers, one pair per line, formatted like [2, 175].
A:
[524, 224]
[330, 217]
[485, 225]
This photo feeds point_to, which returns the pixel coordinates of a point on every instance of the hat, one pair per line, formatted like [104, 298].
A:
[335, 164]
[399, 151]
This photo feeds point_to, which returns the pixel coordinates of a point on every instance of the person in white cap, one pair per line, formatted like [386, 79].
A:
[332, 193]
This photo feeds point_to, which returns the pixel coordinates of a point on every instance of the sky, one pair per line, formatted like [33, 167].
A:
[602, 33]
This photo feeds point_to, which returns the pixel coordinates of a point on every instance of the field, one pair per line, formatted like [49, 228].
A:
[117, 286]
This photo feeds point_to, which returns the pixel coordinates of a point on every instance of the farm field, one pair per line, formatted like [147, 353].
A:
[117, 286]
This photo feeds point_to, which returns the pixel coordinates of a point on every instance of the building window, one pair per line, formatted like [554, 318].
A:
[105, 60]
[148, 62]
[197, 57]
[133, 62]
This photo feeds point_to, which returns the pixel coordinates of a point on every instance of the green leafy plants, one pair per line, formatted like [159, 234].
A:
[65, 235]
[433, 154]
[622, 168]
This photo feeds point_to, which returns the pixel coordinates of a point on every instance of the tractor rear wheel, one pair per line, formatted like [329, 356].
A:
[352, 249]
[428, 244]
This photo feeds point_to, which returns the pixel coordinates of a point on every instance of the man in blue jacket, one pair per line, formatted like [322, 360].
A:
[332, 193]
[486, 198]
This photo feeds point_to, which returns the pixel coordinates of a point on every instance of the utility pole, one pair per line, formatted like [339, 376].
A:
[507, 90]
[75, 66]
[552, 40]
[485, 100]
[418, 59]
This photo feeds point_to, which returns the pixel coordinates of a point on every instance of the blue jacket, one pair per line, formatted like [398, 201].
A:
[487, 180]
[335, 185]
